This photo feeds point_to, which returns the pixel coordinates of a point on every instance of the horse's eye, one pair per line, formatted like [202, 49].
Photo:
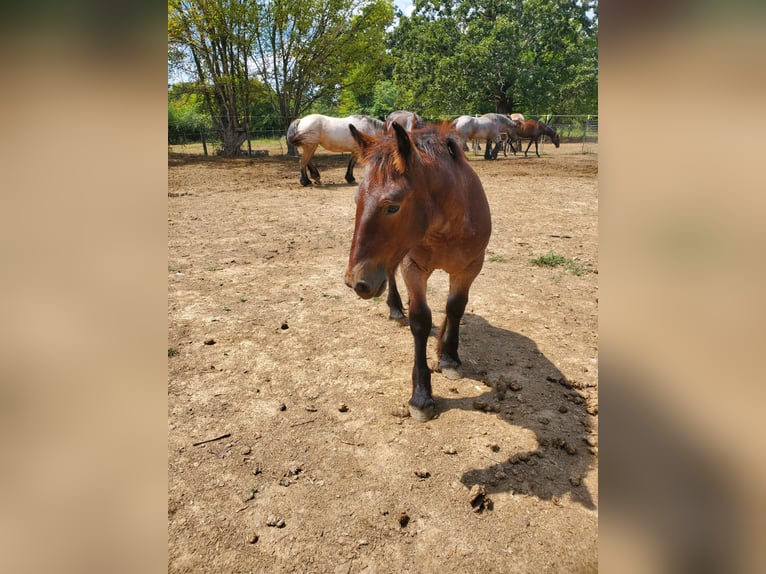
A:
[391, 209]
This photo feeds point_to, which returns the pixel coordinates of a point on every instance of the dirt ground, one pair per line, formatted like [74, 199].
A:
[297, 384]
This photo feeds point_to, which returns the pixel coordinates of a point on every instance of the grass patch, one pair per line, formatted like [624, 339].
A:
[555, 260]
[172, 352]
[498, 259]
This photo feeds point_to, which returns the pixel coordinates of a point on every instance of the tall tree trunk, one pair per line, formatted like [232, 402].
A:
[232, 138]
[503, 103]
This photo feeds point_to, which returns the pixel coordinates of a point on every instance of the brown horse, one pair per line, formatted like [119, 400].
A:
[533, 130]
[422, 205]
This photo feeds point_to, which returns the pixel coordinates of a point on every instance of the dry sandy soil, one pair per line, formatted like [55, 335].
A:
[297, 384]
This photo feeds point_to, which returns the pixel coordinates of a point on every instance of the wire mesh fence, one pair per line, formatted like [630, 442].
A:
[573, 129]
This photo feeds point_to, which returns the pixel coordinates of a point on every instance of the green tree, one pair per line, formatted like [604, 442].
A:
[187, 116]
[216, 36]
[477, 56]
[309, 51]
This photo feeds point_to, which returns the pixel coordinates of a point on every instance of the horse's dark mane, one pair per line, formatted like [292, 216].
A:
[432, 141]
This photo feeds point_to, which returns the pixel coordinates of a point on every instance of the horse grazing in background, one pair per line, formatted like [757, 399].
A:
[487, 127]
[533, 130]
[332, 134]
[408, 120]
[420, 205]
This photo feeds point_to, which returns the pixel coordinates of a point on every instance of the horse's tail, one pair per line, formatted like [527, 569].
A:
[293, 137]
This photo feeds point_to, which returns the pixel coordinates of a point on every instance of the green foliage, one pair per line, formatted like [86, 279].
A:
[316, 54]
[338, 57]
[186, 115]
[476, 56]
[549, 260]
[554, 260]
[216, 35]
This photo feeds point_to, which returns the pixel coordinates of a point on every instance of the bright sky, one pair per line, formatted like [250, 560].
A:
[405, 6]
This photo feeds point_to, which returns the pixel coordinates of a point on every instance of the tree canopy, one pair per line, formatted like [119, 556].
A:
[477, 56]
[449, 57]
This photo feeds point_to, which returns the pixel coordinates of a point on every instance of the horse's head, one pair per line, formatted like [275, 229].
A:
[555, 139]
[390, 219]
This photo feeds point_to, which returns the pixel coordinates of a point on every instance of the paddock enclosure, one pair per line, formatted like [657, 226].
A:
[288, 445]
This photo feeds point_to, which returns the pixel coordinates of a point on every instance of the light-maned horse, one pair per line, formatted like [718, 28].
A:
[332, 134]
[534, 130]
[408, 120]
[421, 205]
[487, 127]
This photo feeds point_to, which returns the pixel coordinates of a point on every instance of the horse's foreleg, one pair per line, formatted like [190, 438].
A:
[350, 170]
[495, 151]
[488, 149]
[394, 300]
[537, 153]
[449, 334]
[421, 403]
[529, 145]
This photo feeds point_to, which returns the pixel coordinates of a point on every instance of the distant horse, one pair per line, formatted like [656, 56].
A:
[408, 120]
[533, 130]
[422, 205]
[488, 127]
[333, 135]
[512, 137]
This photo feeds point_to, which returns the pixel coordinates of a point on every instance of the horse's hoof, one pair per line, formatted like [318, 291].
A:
[398, 316]
[452, 373]
[422, 415]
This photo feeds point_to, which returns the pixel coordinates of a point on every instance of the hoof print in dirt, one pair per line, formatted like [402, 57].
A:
[291, 476]
[403, 519]
[275, 521]
[422, 473]
[478, 499]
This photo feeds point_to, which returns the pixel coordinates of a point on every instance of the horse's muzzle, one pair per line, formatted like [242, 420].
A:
[367, 283]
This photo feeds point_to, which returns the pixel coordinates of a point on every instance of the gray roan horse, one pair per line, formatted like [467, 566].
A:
[333, 135]
[408, 120]
[487, 127]
[419, 204]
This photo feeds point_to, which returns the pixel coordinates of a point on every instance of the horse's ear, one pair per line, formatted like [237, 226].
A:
[403, 148]
[362, 140]
[453, 148]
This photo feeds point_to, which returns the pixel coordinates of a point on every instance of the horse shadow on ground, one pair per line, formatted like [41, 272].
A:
[525, 390]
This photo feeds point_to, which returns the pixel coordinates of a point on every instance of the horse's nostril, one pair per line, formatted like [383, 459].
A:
[362, 288]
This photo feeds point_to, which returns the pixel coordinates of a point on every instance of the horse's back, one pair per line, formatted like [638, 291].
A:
[465, 126]
[530, 128]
